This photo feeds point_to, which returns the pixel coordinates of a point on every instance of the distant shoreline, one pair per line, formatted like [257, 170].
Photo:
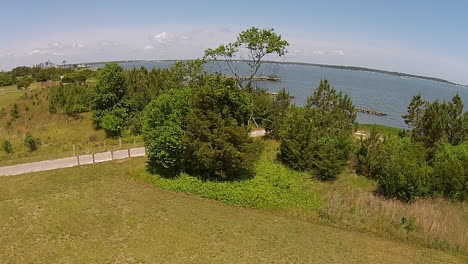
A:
[341, 67]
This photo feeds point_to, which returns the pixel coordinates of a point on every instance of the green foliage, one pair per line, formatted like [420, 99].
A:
[21, 71]
[71, 99]
[143, 86]
[7, 147]
[451, 171]
[114, 121]
[7, 79]
[31, 142]
[40, 74]
[433, 122]
[24, 82]
[318, 137]
[369, 155]
[74, 77]
[217, 144]
[256, 43]
[273, 187]
[163, 128]
[108, 93]
[277, 117]
[262, 107]
[14, 112]
[404, 172]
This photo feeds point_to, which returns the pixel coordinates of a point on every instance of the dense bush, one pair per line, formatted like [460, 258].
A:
[317, 137]
[451, 171]
[404, 172]
[24, 82]
[278, 113]
[433, 122]
[7, 147]
[7, 79]
[216, 143]
[74, 77]
[162, 129]
[108, 109]
[369, 155]
[71, 99]
[31, 142]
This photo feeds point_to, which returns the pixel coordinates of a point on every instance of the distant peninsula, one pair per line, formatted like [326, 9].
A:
[342, 67]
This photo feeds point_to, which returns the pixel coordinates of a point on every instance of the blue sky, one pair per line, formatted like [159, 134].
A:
[419, 37]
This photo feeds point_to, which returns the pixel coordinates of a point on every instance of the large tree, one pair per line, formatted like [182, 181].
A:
[252, 47]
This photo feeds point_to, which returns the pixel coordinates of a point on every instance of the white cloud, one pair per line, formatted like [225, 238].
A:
[328, 52]
[338, 52]
[162, 38]
[148, 47]
[318, 52]
[37, 51]
[63, 45]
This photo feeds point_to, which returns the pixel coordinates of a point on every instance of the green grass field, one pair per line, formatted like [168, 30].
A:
[101, 214]
[380, 128]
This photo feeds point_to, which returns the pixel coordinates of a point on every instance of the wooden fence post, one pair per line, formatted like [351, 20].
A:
[128, 150]
[94, 161]
[78, 159]
[120, 143]
[112, 155]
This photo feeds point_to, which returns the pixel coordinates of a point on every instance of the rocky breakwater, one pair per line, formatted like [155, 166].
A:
[370, 112]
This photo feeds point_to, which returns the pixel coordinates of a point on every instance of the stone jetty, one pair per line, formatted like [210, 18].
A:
[370, 112]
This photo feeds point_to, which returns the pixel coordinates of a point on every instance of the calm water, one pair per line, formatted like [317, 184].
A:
[381, 92]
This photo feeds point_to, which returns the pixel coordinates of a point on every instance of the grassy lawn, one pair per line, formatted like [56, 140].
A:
[380, 128]
[100, 214]
[9, 94]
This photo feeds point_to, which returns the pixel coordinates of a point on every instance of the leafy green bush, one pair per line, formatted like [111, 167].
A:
[24, 82]
[404, 172]
[7, 147]
[274, 186]
[31, 142]
[109, 91]
[278, 113]
[163, 127]
[216, 143]
[113, 122]
[71, 99]
[451, 171]
[317, 137]
[74, 77]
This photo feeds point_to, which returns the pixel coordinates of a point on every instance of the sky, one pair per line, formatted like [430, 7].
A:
[418, 37]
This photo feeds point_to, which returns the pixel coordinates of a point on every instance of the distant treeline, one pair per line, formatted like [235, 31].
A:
[342, 67]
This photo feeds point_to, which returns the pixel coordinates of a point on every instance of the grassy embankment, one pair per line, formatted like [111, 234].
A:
[57, 132]
[101, 214]
[349, 202]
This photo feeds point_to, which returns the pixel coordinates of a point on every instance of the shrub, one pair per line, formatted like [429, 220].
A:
[113, 122]
[24, 82]
[404, 172]
[317, 137]
[14, 112]
[216, 143]
[7, 147]
[451, 171]
[31, 142]
[163, 127]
